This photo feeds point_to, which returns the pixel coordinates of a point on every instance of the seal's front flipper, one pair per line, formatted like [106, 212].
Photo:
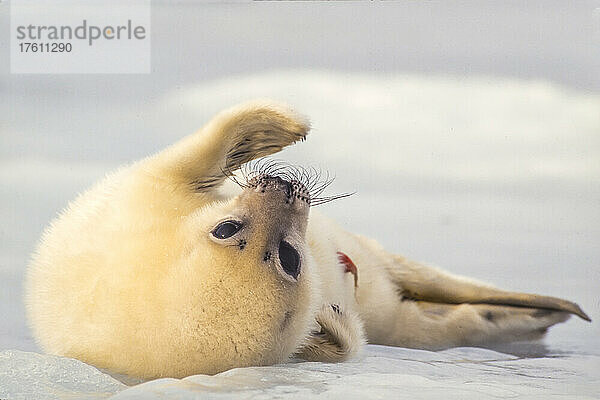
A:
[340, 336]
[233, 137]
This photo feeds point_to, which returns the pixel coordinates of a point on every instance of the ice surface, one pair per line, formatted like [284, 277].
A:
[380, 373]
[490, 177]
[386, 373]
[26, 375]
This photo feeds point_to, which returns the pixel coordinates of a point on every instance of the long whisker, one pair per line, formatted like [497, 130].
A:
[231, 176]
[322, 200]
[314, 180]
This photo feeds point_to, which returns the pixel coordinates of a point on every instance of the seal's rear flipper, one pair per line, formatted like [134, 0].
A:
[484, 324]
[232, 138]
[420, 282]
[440, 310]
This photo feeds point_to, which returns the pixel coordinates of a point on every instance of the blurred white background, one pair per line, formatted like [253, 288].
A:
[470, 131]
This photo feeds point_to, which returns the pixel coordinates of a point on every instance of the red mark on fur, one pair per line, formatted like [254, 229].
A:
[350, 267]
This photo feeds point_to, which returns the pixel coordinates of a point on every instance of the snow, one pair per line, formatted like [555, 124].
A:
[386, 372]
[26, 375]
[493, 178]
[380, 373]
[479, 144]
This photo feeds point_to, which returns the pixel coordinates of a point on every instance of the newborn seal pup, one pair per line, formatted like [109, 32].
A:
[153, 272]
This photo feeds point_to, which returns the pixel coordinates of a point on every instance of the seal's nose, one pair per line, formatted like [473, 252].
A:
[292, 191]
[286, 185]
[279, 183]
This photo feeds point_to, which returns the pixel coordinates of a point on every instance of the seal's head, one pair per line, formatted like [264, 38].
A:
[246, 281]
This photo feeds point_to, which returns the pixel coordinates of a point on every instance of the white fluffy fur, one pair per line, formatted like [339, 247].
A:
[127, 278]
[389, 319]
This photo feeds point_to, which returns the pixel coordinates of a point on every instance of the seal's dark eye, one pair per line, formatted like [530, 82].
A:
[226, 229]
[290, 259]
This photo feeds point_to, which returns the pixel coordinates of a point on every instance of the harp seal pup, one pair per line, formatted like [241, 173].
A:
[154, 272]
